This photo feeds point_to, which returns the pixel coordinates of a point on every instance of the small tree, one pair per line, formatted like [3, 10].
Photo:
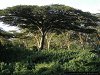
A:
[46, 19]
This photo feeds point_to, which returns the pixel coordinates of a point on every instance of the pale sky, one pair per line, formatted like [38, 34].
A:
[92, 6]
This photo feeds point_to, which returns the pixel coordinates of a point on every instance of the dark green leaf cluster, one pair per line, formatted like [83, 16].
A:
[53, 62]
[49, 18]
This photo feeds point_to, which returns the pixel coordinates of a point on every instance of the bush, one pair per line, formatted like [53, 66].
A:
[53, 62]
[82, 62]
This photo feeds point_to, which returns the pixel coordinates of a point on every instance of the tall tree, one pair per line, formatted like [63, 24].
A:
[49, 18]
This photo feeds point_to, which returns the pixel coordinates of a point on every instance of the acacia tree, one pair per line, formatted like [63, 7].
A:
[49, 19]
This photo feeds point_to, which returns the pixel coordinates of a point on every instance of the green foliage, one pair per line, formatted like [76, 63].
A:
[57, 61]
[50, 19]
[51, 62]
[12, 53]
[70, 51]
[82, 62]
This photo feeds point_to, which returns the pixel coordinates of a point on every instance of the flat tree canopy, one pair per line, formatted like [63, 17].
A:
[48, 18]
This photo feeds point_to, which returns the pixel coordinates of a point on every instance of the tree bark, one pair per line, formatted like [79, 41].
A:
[81, 40]
[49, 40]
[42, 41]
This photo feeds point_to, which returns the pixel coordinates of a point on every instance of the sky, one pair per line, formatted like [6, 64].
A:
[92, 6]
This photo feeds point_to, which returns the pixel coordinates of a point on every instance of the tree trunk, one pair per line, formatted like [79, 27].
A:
[68, 40]
[81, 41]
[49, 38]
[37, 41]
[42, 41]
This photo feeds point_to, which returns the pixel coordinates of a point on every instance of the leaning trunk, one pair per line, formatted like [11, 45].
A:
[42, 42]
[49, 40]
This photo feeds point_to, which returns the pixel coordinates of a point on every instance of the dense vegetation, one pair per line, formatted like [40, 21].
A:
[53, 40]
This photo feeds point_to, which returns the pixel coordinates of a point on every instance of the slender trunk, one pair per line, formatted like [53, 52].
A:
[42, 41]
[49, 40]
[81, 41]
[68, 41]
[68, 45]
[37, 41]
